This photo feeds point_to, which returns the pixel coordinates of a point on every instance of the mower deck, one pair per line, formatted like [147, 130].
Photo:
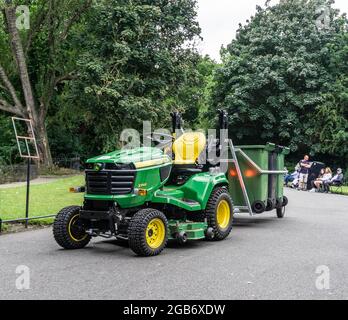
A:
[193, 230]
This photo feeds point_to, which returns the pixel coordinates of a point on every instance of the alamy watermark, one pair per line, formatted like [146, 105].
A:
[23, 279]
[22, 15]
[217, 144]
[322, 15]
[23, 18]
[322, 282]
[323, 18]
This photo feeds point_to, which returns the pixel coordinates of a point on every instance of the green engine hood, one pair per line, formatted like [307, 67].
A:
[140, 157]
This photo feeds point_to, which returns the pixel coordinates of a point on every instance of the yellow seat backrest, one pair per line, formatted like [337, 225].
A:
[188, 147]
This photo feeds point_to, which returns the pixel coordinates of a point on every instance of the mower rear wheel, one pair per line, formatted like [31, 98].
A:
[219, 214]
[68, 229]
[147, 232]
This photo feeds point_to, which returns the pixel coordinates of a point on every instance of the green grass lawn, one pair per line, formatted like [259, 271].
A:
[345, 190]
[45, 199]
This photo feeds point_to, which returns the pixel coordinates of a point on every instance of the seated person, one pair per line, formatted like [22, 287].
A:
[291, 177]
[325, 175]
[295, 184]
[296, 174]
[335, 181]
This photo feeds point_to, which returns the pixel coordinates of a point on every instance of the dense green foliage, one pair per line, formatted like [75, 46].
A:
[135, 63]
[37, 61]
[283, 80]
[121, 62]
[332, 114]
[8, 146]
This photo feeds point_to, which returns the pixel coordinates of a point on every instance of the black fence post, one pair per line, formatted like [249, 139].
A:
[27, 200]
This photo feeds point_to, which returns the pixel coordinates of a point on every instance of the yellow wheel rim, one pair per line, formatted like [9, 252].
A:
[155, 233]
[74, 233]
[223, 214]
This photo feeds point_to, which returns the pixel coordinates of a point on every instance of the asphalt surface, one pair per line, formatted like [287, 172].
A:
[264, 258]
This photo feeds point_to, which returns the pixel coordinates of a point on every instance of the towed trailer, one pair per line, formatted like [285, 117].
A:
[146, 197]
[261, 176]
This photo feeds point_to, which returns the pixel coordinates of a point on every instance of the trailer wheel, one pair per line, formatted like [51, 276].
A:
[258, 207]
[68, 229]
[281, 212]
[147, 232]
[219, 214]
[285, 201]
[270, 205]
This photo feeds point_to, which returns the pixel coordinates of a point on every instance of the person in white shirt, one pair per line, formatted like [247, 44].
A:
[325, 175]
[335, 181]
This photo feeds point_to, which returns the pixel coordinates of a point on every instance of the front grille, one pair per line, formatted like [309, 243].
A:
[110, 182]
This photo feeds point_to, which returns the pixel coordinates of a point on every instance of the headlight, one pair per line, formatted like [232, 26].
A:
[98, 166]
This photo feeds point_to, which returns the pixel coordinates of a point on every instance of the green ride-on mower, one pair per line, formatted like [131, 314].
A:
[147, 197]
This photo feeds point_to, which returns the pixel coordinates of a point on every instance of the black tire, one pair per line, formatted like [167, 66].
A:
[68, 230]
[279, 203]
[281, 212]
[211, 213]
[181, 238]
[285, 201]
[138, 233]
[258, 207]
[270, 205]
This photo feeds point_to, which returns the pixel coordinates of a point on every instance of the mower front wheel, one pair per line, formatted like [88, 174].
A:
[219, 213]
[147, 232]
[68, 229]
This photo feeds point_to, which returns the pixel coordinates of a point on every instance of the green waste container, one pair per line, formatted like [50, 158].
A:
[280, 162]
[276, 198]
[256, 183]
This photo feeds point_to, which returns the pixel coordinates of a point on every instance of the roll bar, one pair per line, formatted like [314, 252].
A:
[176, 121]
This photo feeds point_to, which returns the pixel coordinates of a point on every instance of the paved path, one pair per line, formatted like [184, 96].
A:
[40, 180]
[264, 258]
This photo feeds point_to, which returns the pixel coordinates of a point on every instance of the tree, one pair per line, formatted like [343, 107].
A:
[136, 60]
[332, 115]
[276, 71]
[8, 145]
[195, 96]
[35, 61]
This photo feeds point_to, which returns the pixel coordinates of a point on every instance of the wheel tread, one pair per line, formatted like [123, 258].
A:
[60, 231]
[136, 228]
[210, 213]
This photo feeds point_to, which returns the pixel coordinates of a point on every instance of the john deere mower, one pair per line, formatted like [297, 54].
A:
[147, 197]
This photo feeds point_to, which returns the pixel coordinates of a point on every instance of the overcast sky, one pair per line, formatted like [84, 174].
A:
[219, 20]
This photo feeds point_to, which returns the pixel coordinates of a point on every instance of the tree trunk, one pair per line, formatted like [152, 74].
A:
[43, 143]
[34, 115]
[18, 52]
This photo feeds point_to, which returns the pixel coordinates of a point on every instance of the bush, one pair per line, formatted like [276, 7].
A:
[17, 173]
[57, 171]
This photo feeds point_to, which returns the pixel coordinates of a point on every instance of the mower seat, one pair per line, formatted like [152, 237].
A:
[188, 147]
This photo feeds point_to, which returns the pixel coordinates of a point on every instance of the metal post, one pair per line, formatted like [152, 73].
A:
[30, 138]
[247, 206]
[27, 200]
